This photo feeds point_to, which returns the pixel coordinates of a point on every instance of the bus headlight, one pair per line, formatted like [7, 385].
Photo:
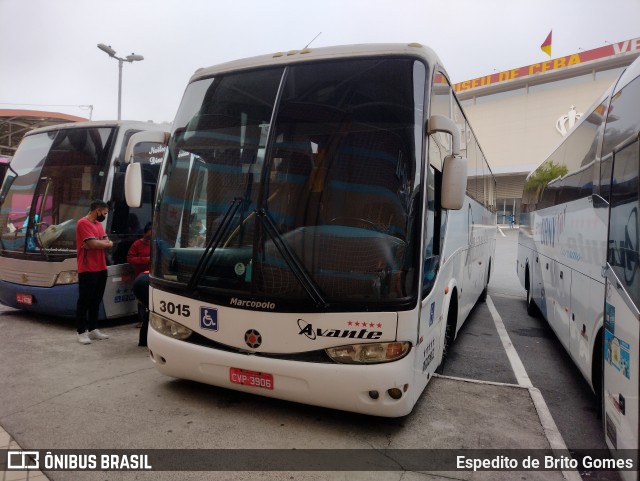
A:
[168, 327]
[369, 353]
[67, 277]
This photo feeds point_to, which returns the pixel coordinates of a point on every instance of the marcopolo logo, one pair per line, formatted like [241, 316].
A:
[311, 333]
[254, 304]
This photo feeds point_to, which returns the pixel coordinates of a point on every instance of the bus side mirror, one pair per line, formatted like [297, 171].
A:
[454, 182]
[454, 169]
[133, 185]
[133, 177]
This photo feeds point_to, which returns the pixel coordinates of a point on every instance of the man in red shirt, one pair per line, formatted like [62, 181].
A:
[91, 242]
[139, 255]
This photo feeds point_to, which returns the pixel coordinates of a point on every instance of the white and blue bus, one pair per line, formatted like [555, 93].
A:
[313, 239]
[55, 174]
[578, 253]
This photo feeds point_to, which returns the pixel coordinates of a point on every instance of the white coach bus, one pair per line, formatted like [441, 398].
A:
[578, 252]
[54, 176]
[313, 239]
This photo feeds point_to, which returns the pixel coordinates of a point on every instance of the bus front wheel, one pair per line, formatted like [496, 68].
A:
[450, 330]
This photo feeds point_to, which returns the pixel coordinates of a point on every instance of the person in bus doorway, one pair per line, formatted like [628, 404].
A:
[141, 291]
[91, 244]
[139, 257]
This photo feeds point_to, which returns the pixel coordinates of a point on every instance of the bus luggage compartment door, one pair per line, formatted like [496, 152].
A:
[118, 299]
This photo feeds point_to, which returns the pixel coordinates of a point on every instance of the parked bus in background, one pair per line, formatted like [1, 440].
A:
[578, 252]
[55, 174]
[313, 240]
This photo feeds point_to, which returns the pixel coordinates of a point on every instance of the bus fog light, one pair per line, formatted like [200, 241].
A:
[67, 277]
[369, 353]
[374, 395]
[394, 393]
[168, 327]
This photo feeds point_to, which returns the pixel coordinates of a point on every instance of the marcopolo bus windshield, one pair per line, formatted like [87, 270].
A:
[57, 175]
[296, 186]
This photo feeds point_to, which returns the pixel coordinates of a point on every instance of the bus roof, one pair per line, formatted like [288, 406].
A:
[135, 124]
[321, 53]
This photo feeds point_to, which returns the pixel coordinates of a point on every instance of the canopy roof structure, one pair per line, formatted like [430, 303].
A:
[15, 123]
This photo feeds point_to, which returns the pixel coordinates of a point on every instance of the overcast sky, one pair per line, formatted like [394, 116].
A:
[49, 59]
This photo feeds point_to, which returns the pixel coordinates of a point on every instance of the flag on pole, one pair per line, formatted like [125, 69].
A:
[546, 45]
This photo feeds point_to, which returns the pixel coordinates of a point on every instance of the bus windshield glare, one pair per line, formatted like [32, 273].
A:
[298, 184]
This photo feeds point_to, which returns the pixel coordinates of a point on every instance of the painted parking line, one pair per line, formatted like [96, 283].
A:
[546, 419]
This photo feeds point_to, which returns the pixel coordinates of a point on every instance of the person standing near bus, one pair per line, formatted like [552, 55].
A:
[139, 255]
[91, 243]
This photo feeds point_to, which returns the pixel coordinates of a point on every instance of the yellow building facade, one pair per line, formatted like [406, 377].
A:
[520, 116]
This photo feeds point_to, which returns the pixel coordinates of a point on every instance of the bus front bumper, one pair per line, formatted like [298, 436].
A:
[332, 385]
[59, 300]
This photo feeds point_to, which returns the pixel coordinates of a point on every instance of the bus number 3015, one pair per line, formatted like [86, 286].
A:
[171, 308]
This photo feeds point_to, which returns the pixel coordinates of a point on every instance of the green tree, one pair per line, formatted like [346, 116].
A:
[539, 179]
[545, 174]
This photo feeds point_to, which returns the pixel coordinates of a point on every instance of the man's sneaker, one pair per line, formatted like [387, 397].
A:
[97, 335]
[84, 338]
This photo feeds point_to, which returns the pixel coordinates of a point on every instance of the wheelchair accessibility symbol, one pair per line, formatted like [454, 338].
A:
[209, 318]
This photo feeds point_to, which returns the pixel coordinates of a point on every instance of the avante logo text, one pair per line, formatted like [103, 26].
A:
[308, 330]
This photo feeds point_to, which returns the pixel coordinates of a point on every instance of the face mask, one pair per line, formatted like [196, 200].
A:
[100, 218]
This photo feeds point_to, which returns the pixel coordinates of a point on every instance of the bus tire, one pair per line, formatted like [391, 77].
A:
[450, 330]
[483, 294]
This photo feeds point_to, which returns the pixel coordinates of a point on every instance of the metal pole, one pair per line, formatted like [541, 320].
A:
[119, 87]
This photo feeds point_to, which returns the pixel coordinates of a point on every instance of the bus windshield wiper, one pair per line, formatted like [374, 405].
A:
[307, 282]
[213, 243]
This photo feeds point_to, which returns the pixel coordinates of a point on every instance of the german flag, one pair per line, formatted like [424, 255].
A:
[546, 45]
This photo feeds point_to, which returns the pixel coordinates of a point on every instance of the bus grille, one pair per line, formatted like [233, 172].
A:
[318, 356]
[35, 279]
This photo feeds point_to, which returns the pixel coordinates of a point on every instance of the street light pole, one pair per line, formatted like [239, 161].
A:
[119, 87]
[129, 58]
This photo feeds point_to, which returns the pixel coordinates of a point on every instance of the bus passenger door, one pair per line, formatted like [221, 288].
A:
[621, 309]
